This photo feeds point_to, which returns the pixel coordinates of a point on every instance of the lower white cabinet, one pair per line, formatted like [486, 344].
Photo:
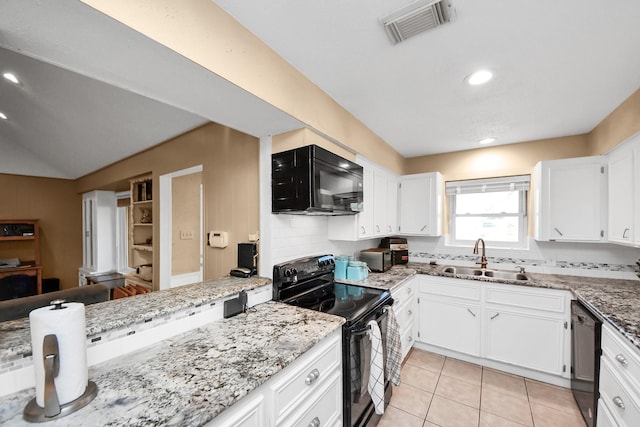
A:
[619, 403]
[307, 392]
[527, 327]
[449, 314]
[404, 298]
[510, 327]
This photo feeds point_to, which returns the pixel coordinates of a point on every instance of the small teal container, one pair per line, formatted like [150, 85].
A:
[341, 264]
[357, 271]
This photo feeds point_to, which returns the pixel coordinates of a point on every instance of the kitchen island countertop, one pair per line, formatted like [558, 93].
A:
[616, 301]
[201, 372]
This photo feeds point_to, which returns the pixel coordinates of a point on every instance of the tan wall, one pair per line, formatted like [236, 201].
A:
[235, 54]
[59, 208]
[185, 217]
[301, 137]
[622, 123]
[230, 179]
[504, 160]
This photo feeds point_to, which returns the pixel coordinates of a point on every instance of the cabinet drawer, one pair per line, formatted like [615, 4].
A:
[454, 288]
[617, 396]
[623, 358]
[323, 408]
[311, 372]
[525, 297]
[404, 314]
[406, 340]
[605, 418]
[405, 291]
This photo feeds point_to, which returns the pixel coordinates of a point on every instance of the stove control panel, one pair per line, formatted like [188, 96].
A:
[301, 269]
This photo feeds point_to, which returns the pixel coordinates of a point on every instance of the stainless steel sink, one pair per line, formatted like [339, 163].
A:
[495, 274]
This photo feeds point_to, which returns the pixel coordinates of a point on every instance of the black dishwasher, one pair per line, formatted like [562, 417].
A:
[585, 360]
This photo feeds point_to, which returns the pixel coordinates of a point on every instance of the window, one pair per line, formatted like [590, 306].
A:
[494, 209]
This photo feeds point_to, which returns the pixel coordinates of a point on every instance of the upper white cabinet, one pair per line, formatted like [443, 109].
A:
[624, 200]
[98, 227]
[570, 199]
[420, 204]
[378, 216]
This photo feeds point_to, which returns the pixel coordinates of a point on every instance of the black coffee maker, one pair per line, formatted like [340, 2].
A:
[247, 260]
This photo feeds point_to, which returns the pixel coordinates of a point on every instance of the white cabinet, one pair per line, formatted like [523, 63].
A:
[392, 205]
[619, 381]
[570, 199]
[624, 186]
[449, 314]
[307, 392]
[377, 218]
[420, 204]
[527, 327]
[404, 298]
[518, 329]
[98, 228]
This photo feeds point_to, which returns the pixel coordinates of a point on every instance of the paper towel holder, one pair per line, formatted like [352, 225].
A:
[53, 410]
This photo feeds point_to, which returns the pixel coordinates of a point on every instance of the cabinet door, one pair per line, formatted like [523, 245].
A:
[571, 199]
[621, 195]
[365, 218]
[453, 325]
[528, 340]
[636, 192]
[392, 204]
[420, 204]
[380, 203]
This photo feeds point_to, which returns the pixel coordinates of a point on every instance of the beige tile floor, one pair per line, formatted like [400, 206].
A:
[445, 392]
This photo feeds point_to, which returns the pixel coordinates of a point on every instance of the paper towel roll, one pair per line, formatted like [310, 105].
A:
[68, 325]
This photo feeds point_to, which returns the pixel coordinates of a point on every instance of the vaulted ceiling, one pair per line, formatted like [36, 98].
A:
[94, 91]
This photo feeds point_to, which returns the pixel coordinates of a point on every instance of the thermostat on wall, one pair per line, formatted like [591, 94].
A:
[218, 239]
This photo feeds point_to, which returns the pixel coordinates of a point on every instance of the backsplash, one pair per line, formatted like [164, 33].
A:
[296, 236]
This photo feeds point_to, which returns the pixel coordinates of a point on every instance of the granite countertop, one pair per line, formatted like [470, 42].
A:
[15, 338]
[616, 301]
[203, 371]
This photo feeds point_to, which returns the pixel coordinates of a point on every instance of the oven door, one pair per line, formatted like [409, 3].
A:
[358, 406]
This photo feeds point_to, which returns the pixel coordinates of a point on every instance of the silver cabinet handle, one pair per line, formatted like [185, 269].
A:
[623, 360]
[390, 229]
[396, 302]
[495, 315]
[618, 402]
[409, 338]
[558, 231]
[472, 313]
[409, 291]
[363, 229]
[377, 228]
[624, 233]
[315, 422]
[422, 229]
[410, 312]
[313, 375]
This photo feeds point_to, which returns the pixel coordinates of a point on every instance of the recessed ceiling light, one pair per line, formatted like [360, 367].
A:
[480, 77]
[2, 116]
[11, 77]
[487, 140]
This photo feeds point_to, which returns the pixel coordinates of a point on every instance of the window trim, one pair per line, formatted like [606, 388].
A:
[518, 183]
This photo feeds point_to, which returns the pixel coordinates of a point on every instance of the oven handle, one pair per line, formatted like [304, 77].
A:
[364, 330]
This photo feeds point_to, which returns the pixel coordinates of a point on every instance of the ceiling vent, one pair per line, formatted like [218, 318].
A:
[416, 18]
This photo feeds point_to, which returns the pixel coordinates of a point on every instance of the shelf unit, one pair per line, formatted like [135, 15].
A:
[20, 239]
[141, 225]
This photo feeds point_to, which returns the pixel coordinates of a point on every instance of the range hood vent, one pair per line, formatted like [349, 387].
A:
[416, 18]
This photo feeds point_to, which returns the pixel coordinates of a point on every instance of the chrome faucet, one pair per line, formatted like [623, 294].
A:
[483, 258]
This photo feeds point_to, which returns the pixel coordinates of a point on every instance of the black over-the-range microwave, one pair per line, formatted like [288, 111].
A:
[313, 181]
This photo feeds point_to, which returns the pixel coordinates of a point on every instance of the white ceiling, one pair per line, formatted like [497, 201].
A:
[94, 92]
[100, 92]
[560, 66]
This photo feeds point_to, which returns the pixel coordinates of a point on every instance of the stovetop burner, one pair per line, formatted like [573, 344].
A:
[309, 283]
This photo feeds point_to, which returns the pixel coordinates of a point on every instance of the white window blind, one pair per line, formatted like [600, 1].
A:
[507, 183]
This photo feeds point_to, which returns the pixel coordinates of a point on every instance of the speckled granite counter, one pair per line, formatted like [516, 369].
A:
[201, 372]
[614, 300]
[15, 338]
